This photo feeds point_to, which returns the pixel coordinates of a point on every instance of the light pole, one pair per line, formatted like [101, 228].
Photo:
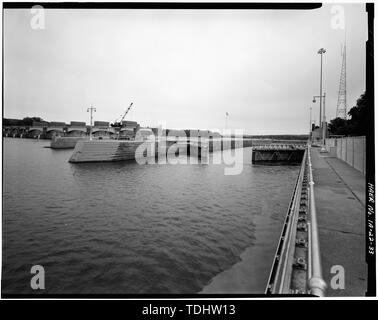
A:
[321, 51]
[324, 122]
[321, 126]
[91, 109]
[309, 137]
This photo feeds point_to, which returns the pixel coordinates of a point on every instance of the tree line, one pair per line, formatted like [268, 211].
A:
[357, 124]
[28, 121]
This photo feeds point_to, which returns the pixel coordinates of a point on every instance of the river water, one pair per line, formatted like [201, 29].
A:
[126, 228]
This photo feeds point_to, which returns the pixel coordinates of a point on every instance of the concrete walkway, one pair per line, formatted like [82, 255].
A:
[340, 205]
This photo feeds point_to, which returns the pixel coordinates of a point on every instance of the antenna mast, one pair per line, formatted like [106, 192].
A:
[341, 110]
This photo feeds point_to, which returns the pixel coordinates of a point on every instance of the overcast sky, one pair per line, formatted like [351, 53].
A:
[186, 68]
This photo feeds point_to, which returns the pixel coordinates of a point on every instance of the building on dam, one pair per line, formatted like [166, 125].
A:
[76, 129]
[128, 130]
[55, 129]
[36, 130]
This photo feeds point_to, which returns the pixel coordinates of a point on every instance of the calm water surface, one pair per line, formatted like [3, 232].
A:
[127, 228]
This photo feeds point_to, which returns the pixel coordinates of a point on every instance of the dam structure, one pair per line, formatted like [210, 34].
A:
[322, 227]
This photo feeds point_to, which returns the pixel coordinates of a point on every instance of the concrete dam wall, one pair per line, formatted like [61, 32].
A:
[65, 142]
[119, 150]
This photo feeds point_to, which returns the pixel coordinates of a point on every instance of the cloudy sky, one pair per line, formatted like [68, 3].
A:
[186, 68]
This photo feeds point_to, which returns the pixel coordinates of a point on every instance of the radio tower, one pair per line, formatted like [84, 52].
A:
[341, 110]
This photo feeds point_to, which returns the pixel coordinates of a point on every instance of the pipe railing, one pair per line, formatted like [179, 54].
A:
[289, 252]
[316, 283]
[278, 278]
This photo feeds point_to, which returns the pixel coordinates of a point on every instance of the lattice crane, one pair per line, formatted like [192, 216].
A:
[122, 116]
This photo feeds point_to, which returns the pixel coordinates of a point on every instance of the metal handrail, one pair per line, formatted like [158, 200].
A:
[316, 282]
[280, 257]
[285, 280]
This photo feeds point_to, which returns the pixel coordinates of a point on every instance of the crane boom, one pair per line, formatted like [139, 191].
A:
[122, 116]
[128, 109]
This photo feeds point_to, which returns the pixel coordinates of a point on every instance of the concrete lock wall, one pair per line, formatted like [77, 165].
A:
[352, 150]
